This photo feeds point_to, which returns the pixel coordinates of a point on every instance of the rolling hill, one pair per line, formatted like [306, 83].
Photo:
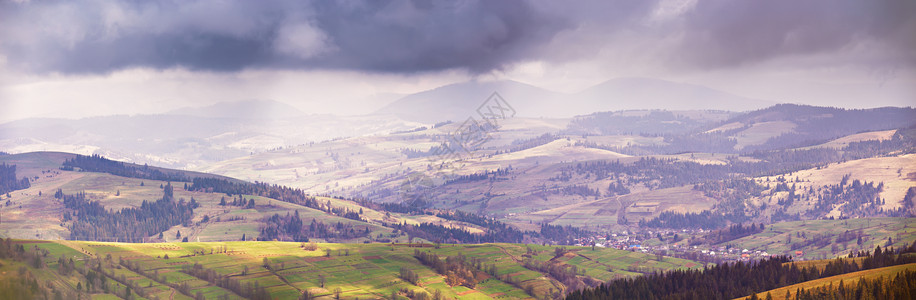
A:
[190, 137]
[348, 271]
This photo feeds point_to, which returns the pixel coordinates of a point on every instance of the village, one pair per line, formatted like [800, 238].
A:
[676, 243]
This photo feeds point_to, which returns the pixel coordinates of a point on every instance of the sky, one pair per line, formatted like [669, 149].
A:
[98, 57]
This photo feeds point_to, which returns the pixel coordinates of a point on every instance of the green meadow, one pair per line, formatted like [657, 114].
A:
[285, 270]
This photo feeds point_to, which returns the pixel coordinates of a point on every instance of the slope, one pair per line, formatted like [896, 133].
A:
[286, 270]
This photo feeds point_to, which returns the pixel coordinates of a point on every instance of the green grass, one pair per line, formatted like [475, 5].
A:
[876, 232]
[370, 271]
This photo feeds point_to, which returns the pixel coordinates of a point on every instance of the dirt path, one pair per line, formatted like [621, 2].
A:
[286, 282]
[516, 259]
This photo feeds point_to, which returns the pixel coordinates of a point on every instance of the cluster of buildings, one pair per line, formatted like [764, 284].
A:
[676, 245]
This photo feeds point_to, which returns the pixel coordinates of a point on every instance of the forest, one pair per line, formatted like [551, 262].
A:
[8, 180]
[900, 286]
[92, 222]
[443, 234]
[703, 220]
[292, 228]
[739, 279]
[458, 270]
[563, 235]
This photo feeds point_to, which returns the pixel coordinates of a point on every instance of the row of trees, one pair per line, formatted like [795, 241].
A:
[563, 235]
[279, 192]
[733, 232]
[652, 172]
[247, 289]
[457, 269]
[292, 228]
[97, 163]
[566, 274]
[440, 233]
[703, 220]
[491, 175]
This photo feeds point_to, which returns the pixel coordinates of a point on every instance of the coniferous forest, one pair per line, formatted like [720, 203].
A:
[8, 180]
[97, 163]
[91, 221]
[739, 279]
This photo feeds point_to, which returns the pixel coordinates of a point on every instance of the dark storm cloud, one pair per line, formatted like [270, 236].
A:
[721, 33]
[386, 36]
[432, 35]
[423, 35]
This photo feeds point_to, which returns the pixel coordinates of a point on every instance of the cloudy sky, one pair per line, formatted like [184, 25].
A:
[96, 57]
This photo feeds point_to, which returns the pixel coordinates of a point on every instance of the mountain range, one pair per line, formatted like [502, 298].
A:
[458, 101]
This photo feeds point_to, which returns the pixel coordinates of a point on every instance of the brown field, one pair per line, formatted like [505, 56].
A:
[858, 137]
[892, 171]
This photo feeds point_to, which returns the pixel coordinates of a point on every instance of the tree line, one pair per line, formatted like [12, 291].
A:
[91, 221]
[739, 279]
[458, 270]
[97, 163]
[443, 234]
[274, 191]
[733, 232]
[8, 180]
[705, 219]
[563, 235]
[292, 228]
[900, 286]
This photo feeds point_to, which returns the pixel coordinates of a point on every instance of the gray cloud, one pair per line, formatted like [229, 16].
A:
[721, 33]
[406, 37]
[385, 36]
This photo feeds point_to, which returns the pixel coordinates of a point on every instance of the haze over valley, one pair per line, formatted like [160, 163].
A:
[694, 149]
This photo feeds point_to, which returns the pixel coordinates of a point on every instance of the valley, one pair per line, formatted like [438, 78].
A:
[622, 203]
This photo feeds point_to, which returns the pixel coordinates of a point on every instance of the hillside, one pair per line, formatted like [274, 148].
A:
[566, 171]
[191, 137]
[736, 280]
[287, 270]
[850, 280]
[792, 125]
[37, 212]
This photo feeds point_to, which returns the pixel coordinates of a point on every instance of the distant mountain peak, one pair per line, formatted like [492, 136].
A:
[458, 101]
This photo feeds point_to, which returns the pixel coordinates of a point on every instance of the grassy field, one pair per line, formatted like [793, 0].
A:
[284, 269]
[779, 238]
